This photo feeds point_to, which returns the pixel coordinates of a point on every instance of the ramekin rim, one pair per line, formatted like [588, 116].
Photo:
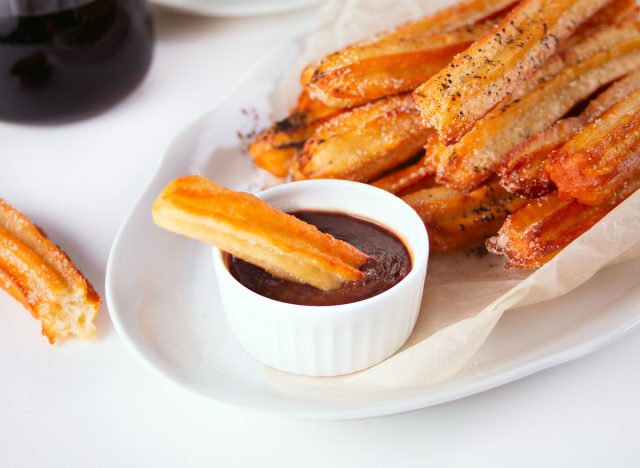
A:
[416, 267]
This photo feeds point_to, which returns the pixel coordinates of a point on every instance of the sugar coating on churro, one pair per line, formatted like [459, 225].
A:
[248, 228]
[43, 279]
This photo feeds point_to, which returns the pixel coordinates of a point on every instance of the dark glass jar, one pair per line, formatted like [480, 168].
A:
[67, 59]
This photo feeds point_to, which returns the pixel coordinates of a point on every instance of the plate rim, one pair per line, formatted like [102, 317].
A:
[218, 11]
[390, 406]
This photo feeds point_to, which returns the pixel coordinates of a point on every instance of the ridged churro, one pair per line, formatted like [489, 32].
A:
[523, 170]
[599, 60]
[402, 59]
[250, 229]
[275, 148]
[364, 143]
[455, 220]
[401, 179]
[496, 65]
[538, 232]
[42, 278]
[598, 163]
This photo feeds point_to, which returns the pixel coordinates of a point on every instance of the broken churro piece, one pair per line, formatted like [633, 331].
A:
[601, 59]
[43, 279]
[402, 59]
[497, 64]
[248, 228]
[523, 170]
[364, 143]
[455, 220]
[604, 158]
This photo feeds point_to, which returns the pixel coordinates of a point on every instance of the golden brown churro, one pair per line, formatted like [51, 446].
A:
[497, 64]
[538, 232]
[402, 59]
[404, 178]
[364, 143]
[250, 229]
[275, 148]
[455, 220]
[603, 58]
[43, 279]
[523, 170]
[598, 163]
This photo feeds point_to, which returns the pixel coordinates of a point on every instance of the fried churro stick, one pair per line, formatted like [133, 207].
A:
[603, 58]
[611, 96]
[599, 162]
[615, 12]
[402, 59]
[275, 148]
[455, 220]
[314, 109]
[535, 234]
[538, 232]
[250, 229]
[404, 178]
[496, 65]
[523, 170]
[42, 278]
[364, 143]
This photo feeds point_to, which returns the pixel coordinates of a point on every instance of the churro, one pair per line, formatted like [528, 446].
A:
[523, 170]
[598, 163]
[42, 278]
[455, 220]
[497, 64]
[248, 228]
[402, 59]
[364, 143]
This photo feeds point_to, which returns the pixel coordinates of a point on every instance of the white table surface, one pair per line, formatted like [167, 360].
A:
[91, 404]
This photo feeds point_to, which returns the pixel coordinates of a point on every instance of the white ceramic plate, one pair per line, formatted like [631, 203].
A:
[163, 298]
[235, 8]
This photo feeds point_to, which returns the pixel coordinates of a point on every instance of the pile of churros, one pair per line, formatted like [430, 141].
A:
[514, 123]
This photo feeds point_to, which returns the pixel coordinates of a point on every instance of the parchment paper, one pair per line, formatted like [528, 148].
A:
[465, 293]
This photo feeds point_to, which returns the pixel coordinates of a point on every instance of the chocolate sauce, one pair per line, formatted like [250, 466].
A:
[65, 59]
[389, 262]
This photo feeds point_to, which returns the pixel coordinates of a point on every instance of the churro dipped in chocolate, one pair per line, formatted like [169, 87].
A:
[250, 229]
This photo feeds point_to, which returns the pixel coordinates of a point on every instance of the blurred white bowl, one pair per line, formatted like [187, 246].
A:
[235, 8]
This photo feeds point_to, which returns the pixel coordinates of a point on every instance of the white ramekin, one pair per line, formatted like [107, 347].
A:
[331, 340]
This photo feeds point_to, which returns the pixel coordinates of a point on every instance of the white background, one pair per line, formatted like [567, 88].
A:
[92, 404]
